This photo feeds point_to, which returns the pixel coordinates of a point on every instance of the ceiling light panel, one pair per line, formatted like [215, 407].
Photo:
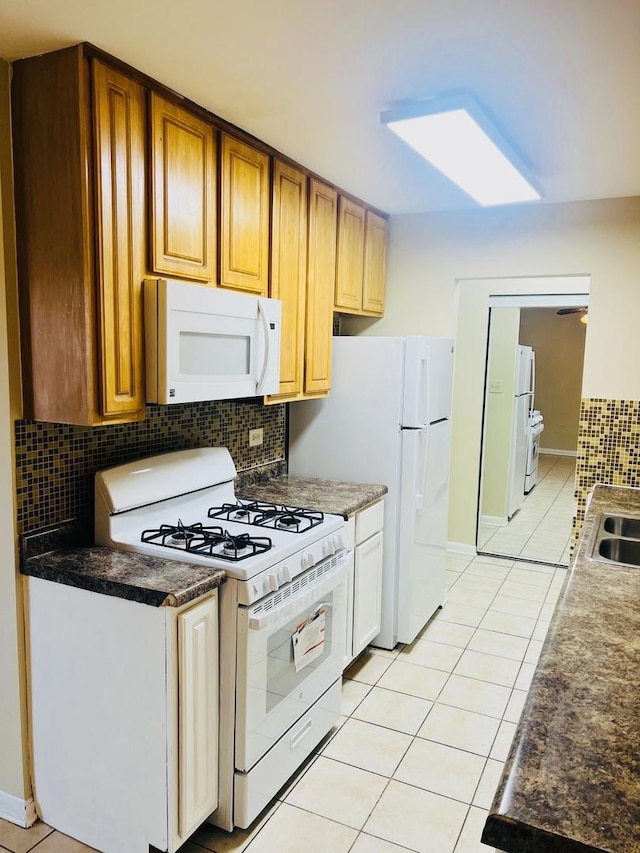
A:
[458, 140]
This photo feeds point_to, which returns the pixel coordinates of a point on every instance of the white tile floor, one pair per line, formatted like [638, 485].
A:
[541, 530]
[415, 759]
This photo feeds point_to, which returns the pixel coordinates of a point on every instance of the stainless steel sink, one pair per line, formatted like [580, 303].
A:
[616, 539]
[621, 526]
[620, 551]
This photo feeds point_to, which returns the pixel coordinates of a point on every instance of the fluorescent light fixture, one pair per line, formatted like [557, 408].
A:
[455, 136]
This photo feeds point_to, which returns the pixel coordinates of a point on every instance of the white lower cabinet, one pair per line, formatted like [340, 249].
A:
[365, 602]
[124, 716]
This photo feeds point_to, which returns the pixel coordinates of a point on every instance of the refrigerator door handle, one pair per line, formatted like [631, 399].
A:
[421, 469]
[416, 407]
[424, 440]
[533, 379]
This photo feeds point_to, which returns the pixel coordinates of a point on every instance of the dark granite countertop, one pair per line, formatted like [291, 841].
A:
[331, 496]
[572, 779]
[136, 577]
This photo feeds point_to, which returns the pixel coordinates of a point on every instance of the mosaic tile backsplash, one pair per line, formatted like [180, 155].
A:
[56, 463]
[608, 447]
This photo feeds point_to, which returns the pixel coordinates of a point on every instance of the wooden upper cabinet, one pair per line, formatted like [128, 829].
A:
[375, 264]
[183, 166]
[361, 261]
[321, 276]
[289, 273]
[350, 259]
[119, 119]
[79, 151]
[244, 217]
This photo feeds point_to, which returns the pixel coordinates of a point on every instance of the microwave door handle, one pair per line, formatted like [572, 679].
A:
[267, 352]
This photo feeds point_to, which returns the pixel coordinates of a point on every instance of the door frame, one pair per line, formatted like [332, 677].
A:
[524, 300]
[472, 307]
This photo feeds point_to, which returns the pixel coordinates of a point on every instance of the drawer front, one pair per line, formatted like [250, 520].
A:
[369, 521]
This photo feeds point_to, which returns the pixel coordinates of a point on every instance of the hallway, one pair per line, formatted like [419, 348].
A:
[542, 528]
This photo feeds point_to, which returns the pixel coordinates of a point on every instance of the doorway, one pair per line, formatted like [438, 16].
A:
[533, 381]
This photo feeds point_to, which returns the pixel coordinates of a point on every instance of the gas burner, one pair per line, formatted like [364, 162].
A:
[213, 542]
[172, 535]
[232, 512]
[294, 519]
[224, 546]
[274, 516]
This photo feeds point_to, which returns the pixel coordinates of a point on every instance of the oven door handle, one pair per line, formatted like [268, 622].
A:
[300, 602]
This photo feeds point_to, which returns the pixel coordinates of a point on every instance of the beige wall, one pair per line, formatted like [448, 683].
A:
[558, 342]
[429, 253]
[13, 728]
[499, 412]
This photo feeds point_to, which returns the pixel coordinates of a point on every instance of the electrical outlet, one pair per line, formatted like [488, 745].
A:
[256, 437]
[495, 386]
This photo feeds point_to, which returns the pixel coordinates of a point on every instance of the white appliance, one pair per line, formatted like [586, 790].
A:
[204, 343]
[523, 392]
[535, 428]
[282, 608]
[387, 421]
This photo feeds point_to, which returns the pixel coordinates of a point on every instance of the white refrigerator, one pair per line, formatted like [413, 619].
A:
[523, 391]
[387, 420]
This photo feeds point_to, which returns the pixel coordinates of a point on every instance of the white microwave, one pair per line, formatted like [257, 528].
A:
[203, 343]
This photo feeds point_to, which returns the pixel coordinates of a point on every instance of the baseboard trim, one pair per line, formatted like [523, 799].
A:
[16, 810]
[462, 548]
[494, 520]
[551, 452]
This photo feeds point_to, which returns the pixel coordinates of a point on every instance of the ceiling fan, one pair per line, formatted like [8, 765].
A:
[583, 311]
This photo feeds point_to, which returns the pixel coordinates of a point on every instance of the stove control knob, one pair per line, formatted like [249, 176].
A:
[286, 574]
[338, 542]
[329, 549]
[271, 583]
[307, 560]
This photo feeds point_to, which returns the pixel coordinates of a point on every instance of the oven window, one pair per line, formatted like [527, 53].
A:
[282, 678]
[203, 354]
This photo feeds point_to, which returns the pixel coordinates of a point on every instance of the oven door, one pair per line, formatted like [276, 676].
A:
[290, 651]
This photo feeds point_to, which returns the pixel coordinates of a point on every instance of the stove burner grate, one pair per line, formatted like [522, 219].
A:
[228, 547]
[180, 534]
[273, 516]
[214, 542]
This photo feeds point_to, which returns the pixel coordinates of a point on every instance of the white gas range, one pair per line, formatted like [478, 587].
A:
[282, 608]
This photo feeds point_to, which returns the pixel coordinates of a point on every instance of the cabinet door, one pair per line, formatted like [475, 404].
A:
[350, 260]
[198, 714]
[244, 225]
[184, 192]
[348, 640]
[367, 600]
[321, 276]
[375, 264]
[119, 138]
[289, 272]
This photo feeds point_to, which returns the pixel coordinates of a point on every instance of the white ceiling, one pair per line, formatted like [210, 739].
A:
[310, 77]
